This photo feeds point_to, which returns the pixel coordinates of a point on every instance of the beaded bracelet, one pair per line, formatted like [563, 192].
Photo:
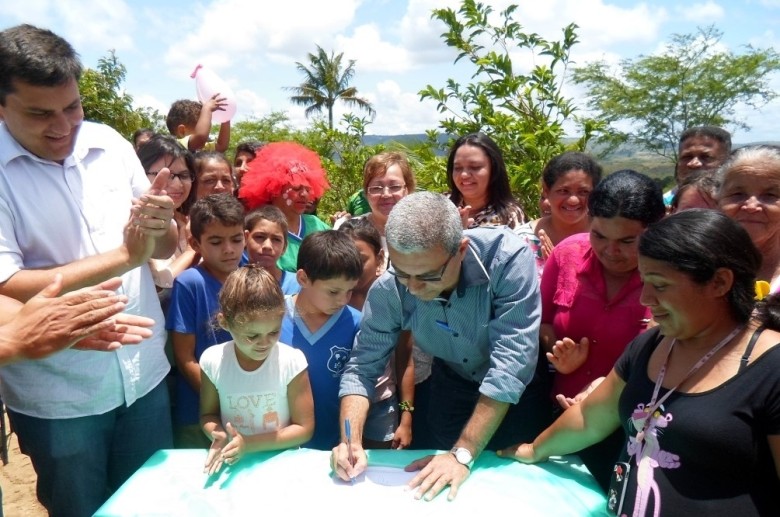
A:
[405, 405]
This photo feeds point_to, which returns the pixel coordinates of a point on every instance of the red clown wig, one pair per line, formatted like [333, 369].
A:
[278, 166]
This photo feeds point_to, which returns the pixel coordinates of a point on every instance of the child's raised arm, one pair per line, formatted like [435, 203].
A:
[202, 128]
[223, 138]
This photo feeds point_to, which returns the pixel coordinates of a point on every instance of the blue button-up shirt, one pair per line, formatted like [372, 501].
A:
[487, 330]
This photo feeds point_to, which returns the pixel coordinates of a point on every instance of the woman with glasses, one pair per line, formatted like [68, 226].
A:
[590, 293]
[479, 184]
[288, 176]
[387, 178]
[164, 151]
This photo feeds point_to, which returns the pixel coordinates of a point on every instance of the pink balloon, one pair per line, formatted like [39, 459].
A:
[208, 84]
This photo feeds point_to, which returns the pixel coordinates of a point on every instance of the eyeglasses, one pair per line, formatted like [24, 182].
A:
[421, 278]
[378, 190]
[184, 176]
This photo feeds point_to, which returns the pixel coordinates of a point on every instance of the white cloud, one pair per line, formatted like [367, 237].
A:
[251, 104]
[150, 101]
[701, 13]
[399, 111]
[371, 52]
[768, 39]
[762, 122]
[603, 29]
[602, 25]
[84, 23]
[230, 32]
[420, 34]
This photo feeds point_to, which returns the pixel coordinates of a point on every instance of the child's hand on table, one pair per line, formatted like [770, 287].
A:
[223, 450]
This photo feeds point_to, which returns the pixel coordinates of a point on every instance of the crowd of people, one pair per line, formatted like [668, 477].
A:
[636, 328]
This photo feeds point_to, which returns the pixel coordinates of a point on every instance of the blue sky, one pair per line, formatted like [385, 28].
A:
[254, 46]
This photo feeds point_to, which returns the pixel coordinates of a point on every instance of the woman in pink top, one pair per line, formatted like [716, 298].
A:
[591, 285]
[590, 294]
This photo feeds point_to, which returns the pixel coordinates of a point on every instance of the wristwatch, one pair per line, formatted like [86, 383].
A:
[463, 456]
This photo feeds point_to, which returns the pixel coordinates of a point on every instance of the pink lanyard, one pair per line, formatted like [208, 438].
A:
[655, 404]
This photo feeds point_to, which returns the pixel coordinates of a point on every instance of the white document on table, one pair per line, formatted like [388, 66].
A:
[379, 477]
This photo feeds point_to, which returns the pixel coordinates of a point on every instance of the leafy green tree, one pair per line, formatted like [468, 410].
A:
[693, 82]
[428, 162]
[524, 113]
[105, 101]
[326, 81]
[343, 155]
[274, 127]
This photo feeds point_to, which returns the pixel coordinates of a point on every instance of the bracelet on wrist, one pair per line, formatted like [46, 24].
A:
[405, 405]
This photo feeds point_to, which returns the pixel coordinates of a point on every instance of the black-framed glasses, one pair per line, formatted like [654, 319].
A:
[186, 176]
[421, 278]
[378, 190]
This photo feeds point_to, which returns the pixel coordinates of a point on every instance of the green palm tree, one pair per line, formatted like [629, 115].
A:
[324, 83]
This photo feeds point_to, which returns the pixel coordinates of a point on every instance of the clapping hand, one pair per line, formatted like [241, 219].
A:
[465, 219]
[127, 329]
[88, 319]
[150, 218]
[154, 211]
[224, 450]
[545, 244]
[567, 355]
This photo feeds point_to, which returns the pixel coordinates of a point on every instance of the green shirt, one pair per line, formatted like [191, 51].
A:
[358, 204]
[309, 224]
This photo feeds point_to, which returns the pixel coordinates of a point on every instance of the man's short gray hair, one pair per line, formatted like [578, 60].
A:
[422, 221]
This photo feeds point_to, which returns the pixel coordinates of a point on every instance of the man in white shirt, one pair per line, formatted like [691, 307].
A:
[75, 201]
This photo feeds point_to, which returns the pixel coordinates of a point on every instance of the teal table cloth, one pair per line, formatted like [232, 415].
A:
[299, 482]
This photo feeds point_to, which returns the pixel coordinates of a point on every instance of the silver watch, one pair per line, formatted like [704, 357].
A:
[463, 456]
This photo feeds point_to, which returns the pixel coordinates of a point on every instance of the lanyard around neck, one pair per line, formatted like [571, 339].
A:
[655, 404]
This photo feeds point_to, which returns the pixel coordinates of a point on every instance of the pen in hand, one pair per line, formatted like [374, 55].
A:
[348, 433]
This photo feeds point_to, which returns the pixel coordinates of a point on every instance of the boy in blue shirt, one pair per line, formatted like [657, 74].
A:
[321, 324]
[265, 233]
[217, 235]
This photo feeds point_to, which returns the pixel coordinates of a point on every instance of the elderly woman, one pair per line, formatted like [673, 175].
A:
[567, 181]
[479, 184]
[286, 175]
[164, 151]
[750, 194]
[698, 396]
